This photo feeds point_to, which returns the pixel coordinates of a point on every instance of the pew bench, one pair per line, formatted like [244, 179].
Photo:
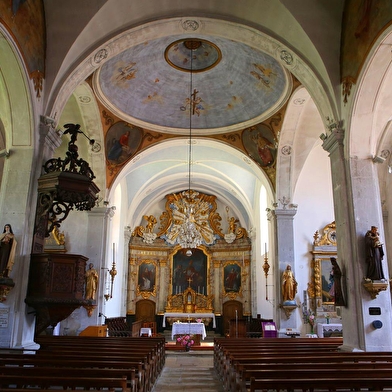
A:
[56, 372]
[320, 384]
[133, 370]
[243, 385]
[48, 382]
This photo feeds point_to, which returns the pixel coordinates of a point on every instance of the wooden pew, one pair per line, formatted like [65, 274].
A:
[309, 373]
[133, 370]
[150, 350]
[325, 384]
[145, 355]
[56, 372]
[240, 361]
[157, 345]
[48, 382]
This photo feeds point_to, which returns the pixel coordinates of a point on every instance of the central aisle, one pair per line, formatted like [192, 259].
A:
[188, 371]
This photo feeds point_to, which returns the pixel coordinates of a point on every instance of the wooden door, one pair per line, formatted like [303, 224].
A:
[231, 310]
[145, 310]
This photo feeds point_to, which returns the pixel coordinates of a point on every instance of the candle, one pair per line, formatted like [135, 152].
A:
[265, 249]
[113, 251]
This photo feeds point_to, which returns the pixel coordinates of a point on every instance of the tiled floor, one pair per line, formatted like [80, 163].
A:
[188, 371]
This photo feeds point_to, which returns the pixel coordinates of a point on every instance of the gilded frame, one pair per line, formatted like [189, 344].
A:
[232, 279]
[195, 267]
[324, 247]
[147, 278]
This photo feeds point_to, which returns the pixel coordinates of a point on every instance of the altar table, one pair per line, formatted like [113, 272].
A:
[191, 315]
[327, 329]
[189, 328]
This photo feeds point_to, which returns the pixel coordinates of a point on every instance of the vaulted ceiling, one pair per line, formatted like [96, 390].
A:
[229, 71]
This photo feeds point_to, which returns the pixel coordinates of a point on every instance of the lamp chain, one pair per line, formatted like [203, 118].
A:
[190, 123]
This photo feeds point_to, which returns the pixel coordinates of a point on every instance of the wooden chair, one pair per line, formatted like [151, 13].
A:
[152, 325]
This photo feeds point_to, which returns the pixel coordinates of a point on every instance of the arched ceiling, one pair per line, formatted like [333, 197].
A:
[242, 77]
[212, 84]
[216, 169]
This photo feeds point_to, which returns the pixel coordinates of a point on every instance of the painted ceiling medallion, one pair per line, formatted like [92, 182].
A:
[237, 85]
[205, 55]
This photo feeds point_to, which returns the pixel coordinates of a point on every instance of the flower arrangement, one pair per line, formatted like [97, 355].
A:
[186, 340]
[199, 320]
[309, 318]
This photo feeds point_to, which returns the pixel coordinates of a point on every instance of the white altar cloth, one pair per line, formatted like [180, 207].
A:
[192, 315]
[321, 328]
[189, 328]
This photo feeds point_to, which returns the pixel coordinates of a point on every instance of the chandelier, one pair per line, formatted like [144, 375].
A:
[189, 236]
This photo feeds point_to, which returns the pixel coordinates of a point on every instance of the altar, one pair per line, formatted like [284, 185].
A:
[173, 317]
[327, 330]
[189, 329]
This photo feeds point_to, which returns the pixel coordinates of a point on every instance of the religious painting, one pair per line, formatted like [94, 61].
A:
[147, 276]
[189, 271]
[122, 141]
[327, 282]
[259, 142]
[232, 277]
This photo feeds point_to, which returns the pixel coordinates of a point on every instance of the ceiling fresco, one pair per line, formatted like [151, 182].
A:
[231, 85]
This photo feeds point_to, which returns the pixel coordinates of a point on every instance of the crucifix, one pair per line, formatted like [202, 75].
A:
[194, 101]
[189, 282]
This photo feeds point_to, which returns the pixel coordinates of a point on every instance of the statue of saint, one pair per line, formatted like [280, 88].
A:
[337, 284]
[91, 278]
[7, 251]
[289, 286]
[374, 255]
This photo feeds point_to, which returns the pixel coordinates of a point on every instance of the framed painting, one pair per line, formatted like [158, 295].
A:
[260, 144]
[232, 277]
[147, 277]
[189, 271]
[122, 141]
[327, 282]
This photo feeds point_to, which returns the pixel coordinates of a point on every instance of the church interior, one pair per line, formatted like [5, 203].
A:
[220, 164]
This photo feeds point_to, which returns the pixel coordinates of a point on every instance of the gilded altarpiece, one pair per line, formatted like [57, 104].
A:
[200, 281]
[321, 288]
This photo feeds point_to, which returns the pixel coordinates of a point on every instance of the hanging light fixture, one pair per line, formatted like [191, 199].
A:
[189, 237]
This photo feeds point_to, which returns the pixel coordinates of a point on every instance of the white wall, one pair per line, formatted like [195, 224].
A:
[313, 194]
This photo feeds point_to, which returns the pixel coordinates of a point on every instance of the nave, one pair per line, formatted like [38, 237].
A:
[188, 371]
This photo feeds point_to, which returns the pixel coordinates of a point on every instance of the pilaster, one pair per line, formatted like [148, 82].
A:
[357, 206]
[284, 219]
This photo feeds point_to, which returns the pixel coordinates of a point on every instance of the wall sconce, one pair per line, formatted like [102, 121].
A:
[266, 268]
[112, 273]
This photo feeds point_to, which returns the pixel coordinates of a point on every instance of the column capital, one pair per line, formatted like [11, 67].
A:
[284, 213]
[49, 133]
[333, 140]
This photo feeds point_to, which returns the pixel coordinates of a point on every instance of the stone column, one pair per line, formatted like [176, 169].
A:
[21, 171]
[357, 206]
[285, 255]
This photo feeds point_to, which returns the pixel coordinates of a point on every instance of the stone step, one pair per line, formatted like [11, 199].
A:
[188, 371]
